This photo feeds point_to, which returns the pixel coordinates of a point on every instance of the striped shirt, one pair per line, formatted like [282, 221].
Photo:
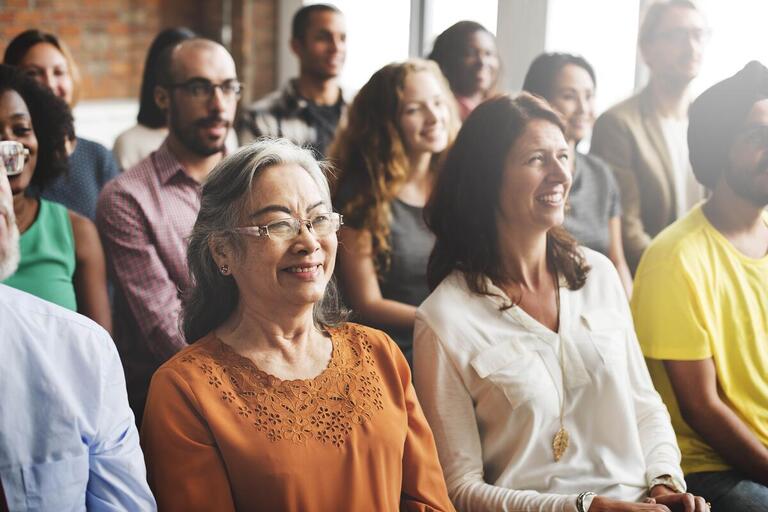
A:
[144, 217]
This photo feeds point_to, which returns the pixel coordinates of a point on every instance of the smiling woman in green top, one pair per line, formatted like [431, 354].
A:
[61, 256]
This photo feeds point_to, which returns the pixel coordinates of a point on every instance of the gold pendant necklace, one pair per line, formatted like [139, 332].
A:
[562, 438]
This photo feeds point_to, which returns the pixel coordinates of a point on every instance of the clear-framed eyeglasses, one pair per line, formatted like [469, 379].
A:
[13, 155]
[321, 225]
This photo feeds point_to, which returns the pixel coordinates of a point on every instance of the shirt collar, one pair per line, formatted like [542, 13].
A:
[295, 102]
[168, 166]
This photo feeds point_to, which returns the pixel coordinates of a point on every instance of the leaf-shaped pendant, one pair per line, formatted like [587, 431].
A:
[560, 443]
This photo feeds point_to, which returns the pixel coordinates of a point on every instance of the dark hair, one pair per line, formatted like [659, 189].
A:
[449, 48]
[303, 16]
[150, 114]
[20, 45]
[51, 120]
[542, 73]
[655, 13]
[212, 297]
[463, 207]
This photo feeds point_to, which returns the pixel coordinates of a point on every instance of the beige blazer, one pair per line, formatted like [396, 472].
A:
[629, 138]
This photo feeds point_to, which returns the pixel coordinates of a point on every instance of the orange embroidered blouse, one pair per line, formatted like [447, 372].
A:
[219, 434]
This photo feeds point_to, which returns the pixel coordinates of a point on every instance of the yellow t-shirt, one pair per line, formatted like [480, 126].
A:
[695, 297]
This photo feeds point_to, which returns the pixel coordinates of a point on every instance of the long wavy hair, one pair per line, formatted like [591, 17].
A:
[212, 297]
[464, 204]
[370, 154]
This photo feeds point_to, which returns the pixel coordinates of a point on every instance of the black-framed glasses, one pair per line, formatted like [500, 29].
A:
[13, 155]
[756, 136]
[202, 89]
[322, 224]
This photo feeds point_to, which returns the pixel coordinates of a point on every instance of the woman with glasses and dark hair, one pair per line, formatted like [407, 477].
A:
[61, 256]
[279, 404]
[399, 125]
[525, 356]
[467, 55]
[46, 58]
[593, 213]
[137, 142]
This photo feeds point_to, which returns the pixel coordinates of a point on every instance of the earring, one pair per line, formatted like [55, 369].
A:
[224, 269]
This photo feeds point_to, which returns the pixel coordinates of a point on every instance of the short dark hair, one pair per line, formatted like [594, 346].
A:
[464, 203]
[150, 114]
[20, 45]
[450, 46]
[655, 13]
[51, 120]
[542, 73]
[303, 17]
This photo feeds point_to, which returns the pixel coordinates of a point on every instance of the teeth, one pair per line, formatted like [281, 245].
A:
[551, 198]
[299, 270]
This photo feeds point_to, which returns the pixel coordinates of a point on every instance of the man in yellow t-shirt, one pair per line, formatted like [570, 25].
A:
[700, 301]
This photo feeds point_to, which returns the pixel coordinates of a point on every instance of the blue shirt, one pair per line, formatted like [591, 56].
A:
[68, 441]
[91, 166]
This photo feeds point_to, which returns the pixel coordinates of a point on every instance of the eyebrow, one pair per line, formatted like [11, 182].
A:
[283, 209]
[20, 115]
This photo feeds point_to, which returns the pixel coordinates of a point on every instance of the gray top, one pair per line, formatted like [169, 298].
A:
[594, 199]
[405, 281]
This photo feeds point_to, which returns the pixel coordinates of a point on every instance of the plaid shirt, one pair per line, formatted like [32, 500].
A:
[285, 113]
[144, 217]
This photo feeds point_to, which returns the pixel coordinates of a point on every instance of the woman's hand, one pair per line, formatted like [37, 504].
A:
[603, 504]
[678, 501]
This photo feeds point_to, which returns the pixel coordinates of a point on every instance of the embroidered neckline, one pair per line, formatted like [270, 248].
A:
[324, 408]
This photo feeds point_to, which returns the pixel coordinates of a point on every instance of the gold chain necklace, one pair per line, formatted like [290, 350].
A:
[561, 439]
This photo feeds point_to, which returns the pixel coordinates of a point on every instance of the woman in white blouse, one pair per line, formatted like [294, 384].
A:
[526, 361]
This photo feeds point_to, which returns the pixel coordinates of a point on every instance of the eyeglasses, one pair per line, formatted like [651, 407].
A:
[756, 136]
[679, 36]
[289, 228]
[13, 155]
[202, 89]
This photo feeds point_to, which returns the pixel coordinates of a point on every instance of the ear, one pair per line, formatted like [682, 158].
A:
[221, 251]
[162, 98]
[297, 46]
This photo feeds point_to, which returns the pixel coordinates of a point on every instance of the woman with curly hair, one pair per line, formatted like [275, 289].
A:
[45, 58]
[466, 53]
[61, 256]
[398, 126]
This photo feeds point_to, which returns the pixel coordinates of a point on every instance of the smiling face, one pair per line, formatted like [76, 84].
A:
[747, 174]
[573, 95]
[284, 272]
[424, 114]
[200, 124]
[46, 64]
[536, 180]
[675, 49]
[480, 64]
[323, 49]
[16, 124]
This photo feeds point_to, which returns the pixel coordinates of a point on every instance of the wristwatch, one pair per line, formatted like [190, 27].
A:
[666, 481]
[584, 501]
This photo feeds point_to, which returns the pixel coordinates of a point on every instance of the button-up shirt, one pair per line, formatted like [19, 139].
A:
[144, 217]
[492, 383]
[67, 436]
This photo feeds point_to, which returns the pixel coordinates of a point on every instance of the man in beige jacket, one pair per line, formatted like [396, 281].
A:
[644, 137]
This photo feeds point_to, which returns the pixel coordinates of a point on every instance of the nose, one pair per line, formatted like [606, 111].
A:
[306, 242]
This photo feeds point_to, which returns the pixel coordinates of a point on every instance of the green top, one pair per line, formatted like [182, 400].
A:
[47, 263]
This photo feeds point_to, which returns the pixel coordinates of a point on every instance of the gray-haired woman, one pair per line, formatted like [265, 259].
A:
[280, 404]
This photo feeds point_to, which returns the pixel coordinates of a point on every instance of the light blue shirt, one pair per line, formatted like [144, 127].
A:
[67, 436]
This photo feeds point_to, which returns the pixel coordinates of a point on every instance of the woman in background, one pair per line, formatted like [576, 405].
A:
[593, 215]
[61, 256]
[45, 58]
[466, 53]
[398, 126]
[137, 142]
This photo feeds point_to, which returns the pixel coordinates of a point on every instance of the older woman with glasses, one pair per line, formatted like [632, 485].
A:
[280, 404]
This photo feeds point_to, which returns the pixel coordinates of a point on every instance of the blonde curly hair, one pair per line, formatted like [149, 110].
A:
[369, 154]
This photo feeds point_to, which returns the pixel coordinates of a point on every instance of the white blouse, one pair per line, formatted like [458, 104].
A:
[490, 384]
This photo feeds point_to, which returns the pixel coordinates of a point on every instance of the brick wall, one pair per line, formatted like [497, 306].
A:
[109, 38]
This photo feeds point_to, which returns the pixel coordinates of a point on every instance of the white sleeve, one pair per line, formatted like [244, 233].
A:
[449, 409]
